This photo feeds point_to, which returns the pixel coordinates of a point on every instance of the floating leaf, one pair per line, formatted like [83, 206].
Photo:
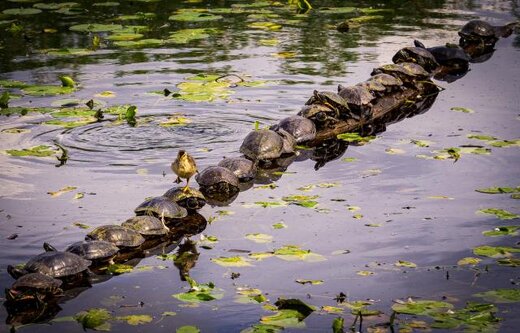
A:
[515, 196]
[15, 130]
[337, 325]
[150, 42]
[508, 230]
[187, 329]
[62, 191]
[501, 295]
[422, 307]
[119, 269]
[250, 295]
[200, 293]
[305, 281]
[332, 309]
[42, 90]
[421, 143]
[168, 314]
[293, 252]
[403, 263]
[505, 143]
[269, 42]
[279, 225]
[175, 121]
[302, 200]
[193, 16]
[262, 328]
[355, 137]
[81, 225]
[105, 94]
[265, 25]
[135, 320]
[21, 11]
[260, 238]
[36, 151]
[497, 190]
[443, 197]
[495, 251]
[95, 27]
[187, 35]
[349, 159]
[461, 109]
[511, 262]
[266, 204]
[67, 81]
[499, 213]
[481, 137]
[117, 37]
[96, 319]
[235, 261]
[365, 273]
[469, 261]
[260, 255]
[285, 318]
[394, 151]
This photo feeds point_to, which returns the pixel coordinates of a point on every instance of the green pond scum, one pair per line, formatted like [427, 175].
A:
[98, 97]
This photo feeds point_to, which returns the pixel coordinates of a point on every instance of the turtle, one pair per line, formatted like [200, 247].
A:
[391, 83]
[330, 99]
[192, 199]
[118, 235]
[376, 88]
[301, 128]
[147, 225]
[262, 144]
[55, 264]
[33, 286]
[161, 207]
[244, 169]
[217, 179]
[95, 250]
[418, 55]
[320, 115]
[289, 142]
[359, 101]
[450, 55]
[408, 72]
[481, 32]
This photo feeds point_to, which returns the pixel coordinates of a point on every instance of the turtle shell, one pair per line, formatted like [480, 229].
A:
[477, 29]
[57, 264]
[191, 199]
[330, 99]
[417, 55]
[449, 55]
[218, 178]
[243, 168]
[146, 225]
[262, 145]
[288, 141]
[301, 128]
[161, 207]
[389, 81]
[359, 99]
[406, 71]
[117, 235]
[93, 250]
[37, 281]
[376, 88]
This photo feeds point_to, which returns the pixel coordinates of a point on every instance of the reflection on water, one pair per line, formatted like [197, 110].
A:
[397, 207]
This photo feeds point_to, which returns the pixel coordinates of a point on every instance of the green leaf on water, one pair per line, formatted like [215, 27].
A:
[150, 42]
[13, 84]
[337, 325]
[185, 36]
[235, 261]
[285, 318]
[349, 159]
[21, 11]
[249, 295]
[422, 307]
[23, 110]
[194, 16]
[119, 269]
[505, 143]
[365, 273]
[279, 225]
[260, 255]
[305, 281]
[461, 109]
[294, 253]
[481, 137]
[495, 251]
[332, 309]
[403, 263]
[168, 314]
[124, 36]
[135, 320]
[36, 151]
[81, 225]
[302, 200]
[355, 137]
[421, 143]
[262, 328]
[266, 204]
[497, 190]
[187, 329]
[200, 293]
[260, 238]
[96, 319]
[469, 261]
[4, 100]
[515, 196]
[499, 213]
[511, 262]
[130, 115]
[501, 295]
[95, 27]
[175, 121]
[506, 230]
[265, 25]
[67, 81]
[43, 90]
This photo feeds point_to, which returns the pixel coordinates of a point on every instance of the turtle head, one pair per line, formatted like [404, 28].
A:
[15, 272]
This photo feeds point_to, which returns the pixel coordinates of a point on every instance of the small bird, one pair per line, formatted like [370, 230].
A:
[184, 166]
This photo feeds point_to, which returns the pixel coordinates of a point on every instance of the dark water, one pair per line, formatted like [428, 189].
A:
[414, 209]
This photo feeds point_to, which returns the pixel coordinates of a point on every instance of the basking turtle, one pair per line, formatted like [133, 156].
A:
[262, 145]
[408, 72]
[330, 99]
[374, 87]
[146, 225]
[217, 179]
[192, 199]
[418, 55]
[289, 142]
[391, 83]
[320, 115]
[243, 168]
[481, 32]
[117, 235]
[33, 286]
[359, 101]
[55, 264]
[301, 128]
[449, 55]
[161, 207]
[95, 250]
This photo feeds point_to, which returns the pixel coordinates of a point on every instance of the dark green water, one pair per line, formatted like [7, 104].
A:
[411, 208]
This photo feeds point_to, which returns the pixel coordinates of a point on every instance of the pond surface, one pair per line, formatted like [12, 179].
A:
[386, 202]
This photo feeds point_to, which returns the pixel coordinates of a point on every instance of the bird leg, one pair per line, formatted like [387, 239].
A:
[178, 180]
[186, 188]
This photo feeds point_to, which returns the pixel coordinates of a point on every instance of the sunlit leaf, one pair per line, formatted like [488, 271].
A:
[481, 137]
[495, 251]
[501, 295]
[511, 262]
[95, 27]
[200, 293]
[266, 204]
[403, 263]
[81, 225]
[394, 151]
[36, 151]
[349, 159]
[235, 261]
[497, 190]
[260, 238]
[187, 35]
[499, 213]
[301, 200]
[21, 11]
[509, 230]
[135, 320]
[249, 295]
[332, 309]
[175, 121]
[305, 281]
[355, 137]
[422, 307]
[96, 319]
[193, 16]
[365, 273]
[462, 109]
[505, 143]
[187, 329]
[337, 325]
[293, 252]
[43, 90]
[67, 81]
[279, 225]
[469, 261]
[421, 143]
[262, 328]
[285, 318]
[119, 269]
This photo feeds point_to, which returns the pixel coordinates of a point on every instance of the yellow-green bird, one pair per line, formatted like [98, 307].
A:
[184, 166]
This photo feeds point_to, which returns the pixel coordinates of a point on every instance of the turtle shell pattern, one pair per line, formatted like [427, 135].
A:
[93, 250]
[146, 225]
[117, 235]
[262, 145]
[301, 128]
[192, 199]
[57, 264]
[161, 207]
[243, 168]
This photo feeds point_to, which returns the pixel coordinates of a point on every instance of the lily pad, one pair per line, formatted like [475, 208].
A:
[200, 293]
[135, 320]
[250, 295]
[266, 204]
[187, 329]
[501, 295]
[507, 230]
[193, 16]
[293, 253]
[511, 262]
[499, 213]
[96, 319]
[469, 261]
[151, 42]
[403, 263]
[185, 36]
[260, 238]
[421, 143]
[36, 151]
[20, 110]
[285, 318]
[62, 191]
[95, 27]
[13, 84]
[355, 138]
[119, 269]
[481, 137]
[235, 261]
[462, 109]
[279, 225]
[302, 200]
[495, 251]
[422, 307]
[43, 90]
[305, 281]
[21, 11]
[505, 143]
[497, 190]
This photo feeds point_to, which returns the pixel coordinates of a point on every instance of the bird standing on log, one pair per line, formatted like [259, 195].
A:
[184, 166]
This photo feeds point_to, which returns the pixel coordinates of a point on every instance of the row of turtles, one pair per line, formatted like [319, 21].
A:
[44, 274]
